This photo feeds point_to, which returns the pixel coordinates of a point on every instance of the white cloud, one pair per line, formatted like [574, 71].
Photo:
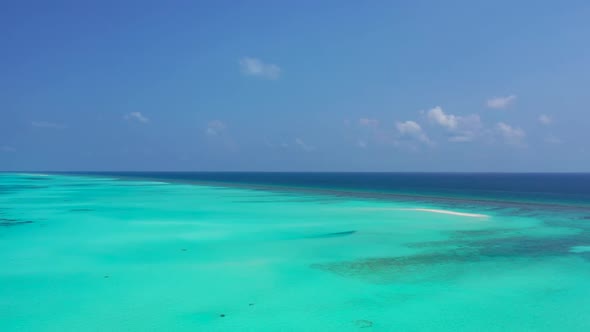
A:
[511, 135]
[361, 144]
[438, 116]
[408, 127]
[255, 67]
[366, 122]
[501, 102]
[545, 119]
[463, 128]
[215, 128]
[137, 116]
[411, 129]
[7, 148]
[48, 125]
[300, 143]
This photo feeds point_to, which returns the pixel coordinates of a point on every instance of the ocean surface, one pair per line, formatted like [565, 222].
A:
[294, 252]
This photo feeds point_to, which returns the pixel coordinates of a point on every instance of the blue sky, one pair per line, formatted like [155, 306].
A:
[295, 86]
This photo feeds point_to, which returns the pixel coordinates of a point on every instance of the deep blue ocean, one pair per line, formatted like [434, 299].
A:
[542, 188]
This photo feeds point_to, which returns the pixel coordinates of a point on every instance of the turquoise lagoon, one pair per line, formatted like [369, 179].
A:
[92, 253]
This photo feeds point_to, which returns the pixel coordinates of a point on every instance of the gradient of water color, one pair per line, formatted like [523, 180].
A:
[97, 253]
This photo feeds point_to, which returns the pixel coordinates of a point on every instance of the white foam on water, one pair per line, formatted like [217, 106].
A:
[454, 213]
[449, 212]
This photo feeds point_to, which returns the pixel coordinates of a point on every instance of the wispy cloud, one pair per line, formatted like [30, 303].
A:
[366, 122]
[412, 130]
[553, 140]
[511, 135]
[137, 116]
[501, 102]
[463, 128]
[304, 146]
[215, 128]
[6, 148]
[545, 119]
[47, 125]
[219, 134]
[255, 67]
[461, 138]
[280, 145]
[370, 133]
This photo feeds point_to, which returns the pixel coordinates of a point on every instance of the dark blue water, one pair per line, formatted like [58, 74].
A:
[556, 188]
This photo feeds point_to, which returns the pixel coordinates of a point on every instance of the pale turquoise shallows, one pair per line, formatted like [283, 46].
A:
[97, 254]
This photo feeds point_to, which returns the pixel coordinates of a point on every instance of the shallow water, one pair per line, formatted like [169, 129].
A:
[82, 253]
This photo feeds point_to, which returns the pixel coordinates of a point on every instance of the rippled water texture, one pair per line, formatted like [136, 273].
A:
[93, 253]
